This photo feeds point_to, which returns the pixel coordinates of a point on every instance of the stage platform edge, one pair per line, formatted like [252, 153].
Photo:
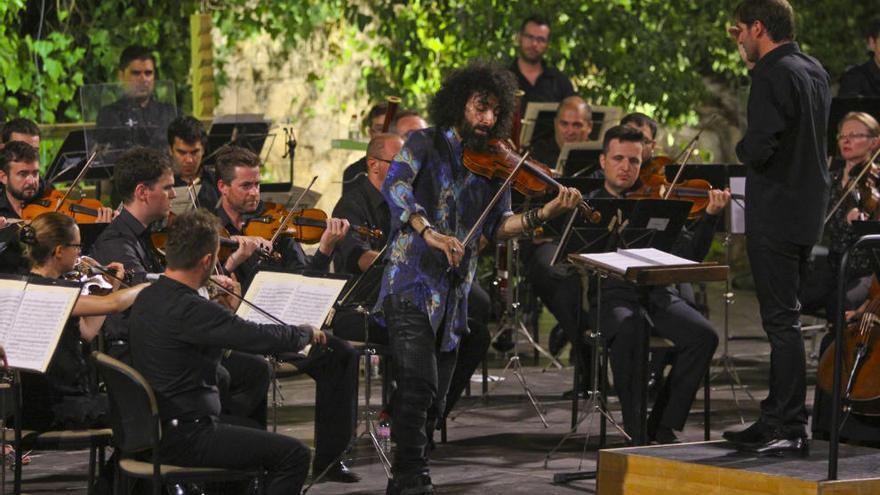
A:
[716, 468]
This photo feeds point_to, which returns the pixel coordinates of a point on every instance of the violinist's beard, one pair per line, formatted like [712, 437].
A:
[473, 141]
[24, 194]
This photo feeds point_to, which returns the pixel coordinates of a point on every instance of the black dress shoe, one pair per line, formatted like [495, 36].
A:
[663, 436]
[339, 473]
[779, 447]
[414, 485]
[758, 432]
[557, 340]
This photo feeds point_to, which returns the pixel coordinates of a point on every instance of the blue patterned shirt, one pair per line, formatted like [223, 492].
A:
[428, 178]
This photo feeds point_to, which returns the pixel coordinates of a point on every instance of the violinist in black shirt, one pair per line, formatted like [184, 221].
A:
[539, 81]
[572, 124]
[178, 338]
[864, 79]
[238, 171]
[186, 141]
[624, 312]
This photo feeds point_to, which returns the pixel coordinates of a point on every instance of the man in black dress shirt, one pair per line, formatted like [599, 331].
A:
[238, 173]
[625, 308]
[539, 81]
[787, 189]
[572, 124]
[374, 121]
[20, 129]
[137, 118]
[178, 338]
[864, 79]
[186, 141]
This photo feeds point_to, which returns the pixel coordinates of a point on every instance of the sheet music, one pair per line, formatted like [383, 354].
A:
[624, 259]
[11, 292]
[42, 313]
[294, 299]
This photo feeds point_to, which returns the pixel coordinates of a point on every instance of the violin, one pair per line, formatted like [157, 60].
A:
[862, 188]
[534, 178]
[83, 210]
[860, 374]
[655, 186]
[159, 239]
[304, 225]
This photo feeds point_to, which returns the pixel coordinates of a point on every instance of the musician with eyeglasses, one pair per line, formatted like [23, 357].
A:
[539, 81]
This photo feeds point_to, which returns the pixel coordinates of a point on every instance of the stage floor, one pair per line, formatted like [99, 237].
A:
[496, 447]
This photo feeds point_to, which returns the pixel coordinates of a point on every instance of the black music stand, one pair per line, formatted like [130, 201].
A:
[841, 106]
[245, 130]
[625, 224]
[582, 163]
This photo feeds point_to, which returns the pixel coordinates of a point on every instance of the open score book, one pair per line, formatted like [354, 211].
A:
[623, 259]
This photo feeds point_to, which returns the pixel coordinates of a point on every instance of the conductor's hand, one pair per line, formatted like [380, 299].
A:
[335, 232]
[105, 215]
[718, 201]
[567, 199]
[451, 247]
[318, 337]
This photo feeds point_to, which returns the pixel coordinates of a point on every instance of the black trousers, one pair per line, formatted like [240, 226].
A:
[423, 374]
[473, 346]
[818, 289]
[214, 444]
[624, 324]
[336, 378]
[777, 268]
[243, 380]
[560, 289]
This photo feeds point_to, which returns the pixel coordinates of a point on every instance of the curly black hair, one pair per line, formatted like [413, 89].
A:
[485, 78]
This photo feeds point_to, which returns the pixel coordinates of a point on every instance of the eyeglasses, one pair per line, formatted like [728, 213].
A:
[380, 159]
[853, 136]
[535, 39]
[77, 246]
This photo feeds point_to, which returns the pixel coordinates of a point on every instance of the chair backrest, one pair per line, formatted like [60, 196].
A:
[134, 414]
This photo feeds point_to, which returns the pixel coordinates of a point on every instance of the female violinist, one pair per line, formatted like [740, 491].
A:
[858, 138]
[65, 397]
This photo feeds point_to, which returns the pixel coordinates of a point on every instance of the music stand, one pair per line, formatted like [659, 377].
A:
[649, 223]
[282, 192]
[579, 159]
[537, 121]
[248, 130]
[841, 106]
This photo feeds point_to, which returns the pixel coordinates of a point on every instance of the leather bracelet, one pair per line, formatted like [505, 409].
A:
[425, 229]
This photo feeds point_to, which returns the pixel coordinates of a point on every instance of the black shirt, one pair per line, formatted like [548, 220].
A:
[127, 241]
[125, 123]
[352, 173]
[861, 80]
[784, 147]
[177, 341]
[551, 85]
[208, 196]
[293, 258]
[362, 205]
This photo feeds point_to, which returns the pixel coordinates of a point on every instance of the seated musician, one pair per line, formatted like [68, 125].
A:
[138, 118]
[186, 141]
[238, 174]
[648, 127]
[22, 185]
[365, 205]
[178, 338]
[864, 79]
[624, 315]
[66, 396]
[405, 122]
[572, 124]
[374, 121]
[20, 129]
[858, 137]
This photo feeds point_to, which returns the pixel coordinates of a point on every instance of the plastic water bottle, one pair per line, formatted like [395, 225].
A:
[374, 366]
[383, 432]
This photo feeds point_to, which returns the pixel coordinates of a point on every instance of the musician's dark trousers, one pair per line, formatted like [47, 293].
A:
[560, 289]
[423, 374]
[243, 380]
[818, 289]
[472, 348]
[624, 324]
[336, 377]
[777, 267]
[237, 447]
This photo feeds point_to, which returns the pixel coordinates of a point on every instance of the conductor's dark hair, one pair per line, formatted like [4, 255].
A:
[872, 29]
[135, 52]
[19, 125]
[484, 79]
[191, 236]
[188, 129]
[621, 133]
[640, 120]
[139, 165]
[534, 19]
[776, 15]
[17, 151]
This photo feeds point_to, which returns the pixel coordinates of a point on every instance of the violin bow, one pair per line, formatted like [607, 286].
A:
[852, 185]
[686, 155]
[497, 197]
[79, 176]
